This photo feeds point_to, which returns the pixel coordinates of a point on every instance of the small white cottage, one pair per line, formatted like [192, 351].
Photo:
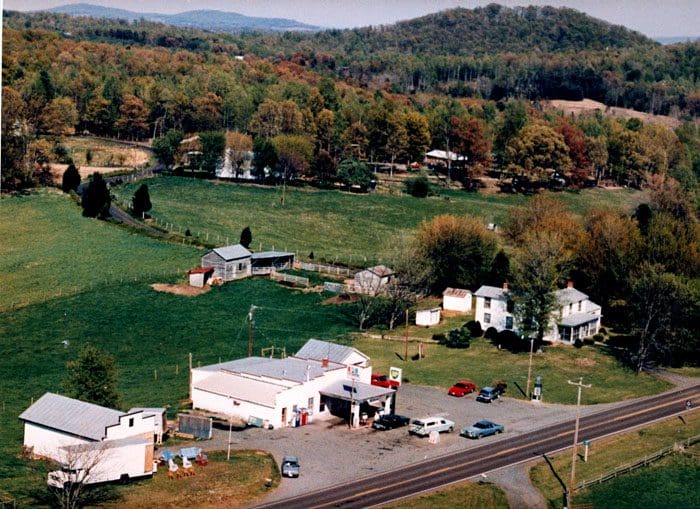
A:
[428, 317]
[457, 299]
[230, 262]
[371, 281]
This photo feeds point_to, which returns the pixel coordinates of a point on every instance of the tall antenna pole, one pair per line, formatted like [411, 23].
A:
[405, 344]
[251, 327]
[580, 385]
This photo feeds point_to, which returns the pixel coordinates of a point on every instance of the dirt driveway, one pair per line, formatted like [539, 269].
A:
[330, 453]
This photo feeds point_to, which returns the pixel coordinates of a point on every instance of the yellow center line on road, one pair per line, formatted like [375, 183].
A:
[500, 453]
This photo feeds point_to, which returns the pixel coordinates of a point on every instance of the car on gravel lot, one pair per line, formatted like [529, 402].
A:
[290, 466]
[462, 388]
[390, 421]
[423, 427]
[381, 380]
[482, 429]
[488, 394]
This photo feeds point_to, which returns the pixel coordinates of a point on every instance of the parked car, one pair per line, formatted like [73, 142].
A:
[482, 429]
[390, 421]
[381, 380]
[290, 466]
[488, 394]
[423, 427]
[461, 388]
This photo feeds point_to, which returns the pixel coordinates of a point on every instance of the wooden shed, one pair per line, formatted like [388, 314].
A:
[428, 317]
[230, 262]
[200, 276]
[457, 299]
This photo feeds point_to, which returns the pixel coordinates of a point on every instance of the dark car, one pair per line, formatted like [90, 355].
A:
[482, 429]
[381, 380]
[390, 421]
[488, 394]
[290, 466]
[462, 388]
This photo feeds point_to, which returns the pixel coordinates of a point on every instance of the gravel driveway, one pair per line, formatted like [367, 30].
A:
[330, 453]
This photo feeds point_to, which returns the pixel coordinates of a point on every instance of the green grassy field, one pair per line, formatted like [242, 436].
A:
[48, 250]
[477, 495]
[483, 363]
[608, 453]
[351, 228]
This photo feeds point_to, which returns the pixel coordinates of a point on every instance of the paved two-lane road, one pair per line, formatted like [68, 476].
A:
[432, 474]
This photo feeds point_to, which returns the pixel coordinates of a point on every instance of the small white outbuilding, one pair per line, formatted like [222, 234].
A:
[457, 299]
[428, 317]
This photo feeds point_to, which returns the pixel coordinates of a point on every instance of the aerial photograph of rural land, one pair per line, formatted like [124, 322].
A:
[398, 254]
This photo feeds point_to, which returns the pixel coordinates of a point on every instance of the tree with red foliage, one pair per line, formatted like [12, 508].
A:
[578, 147]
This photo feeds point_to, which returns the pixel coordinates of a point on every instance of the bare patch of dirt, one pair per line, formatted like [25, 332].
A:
[585, 362]
[340, 299]
[186, 290]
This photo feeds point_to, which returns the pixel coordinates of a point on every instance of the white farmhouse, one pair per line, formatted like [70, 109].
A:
[370, 281]
[575, 315]
[457, 299]
[55, 424]
[321, 380]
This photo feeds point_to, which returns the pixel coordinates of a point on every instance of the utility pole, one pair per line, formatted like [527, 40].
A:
[580, 386]
[251, 326]
[405, 347]
[529, 369]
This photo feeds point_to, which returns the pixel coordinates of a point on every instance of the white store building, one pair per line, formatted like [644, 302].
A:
[321, 380]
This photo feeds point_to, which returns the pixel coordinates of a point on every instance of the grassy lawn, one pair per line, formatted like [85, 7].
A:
[483, 363]
[609, 453]
[671, 482]
[482, 495]
[146, 331]
[686, 371]
[349, 228]
[48, 249]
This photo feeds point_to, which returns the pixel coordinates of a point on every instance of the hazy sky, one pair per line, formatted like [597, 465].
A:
[654, 18]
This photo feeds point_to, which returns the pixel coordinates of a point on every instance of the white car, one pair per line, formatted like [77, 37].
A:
[423, 427]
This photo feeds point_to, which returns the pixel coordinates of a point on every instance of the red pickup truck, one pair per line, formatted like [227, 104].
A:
[383, 381]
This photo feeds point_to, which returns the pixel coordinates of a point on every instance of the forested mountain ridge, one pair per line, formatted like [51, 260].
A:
[203, 19]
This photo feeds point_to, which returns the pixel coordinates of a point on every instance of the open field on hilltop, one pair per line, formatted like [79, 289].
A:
[608, 453]
[150, 335]
[334, 225]
[482, 363]
[576, 108]
[469, 494]
[105, 153]
[48, 249]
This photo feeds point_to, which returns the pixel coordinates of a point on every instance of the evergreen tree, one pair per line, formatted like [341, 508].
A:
[71, 179]
[92, 377]
[96, 199]
[141, 202]
[246, 237]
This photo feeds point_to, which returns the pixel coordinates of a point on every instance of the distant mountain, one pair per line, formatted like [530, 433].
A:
[677, 39]
[215, 21]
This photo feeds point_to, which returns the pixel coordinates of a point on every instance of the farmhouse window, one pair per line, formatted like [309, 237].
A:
[509, 322]
[487, 302]
[487, 317]
[131, 422]
[579, 305]
[310, 406]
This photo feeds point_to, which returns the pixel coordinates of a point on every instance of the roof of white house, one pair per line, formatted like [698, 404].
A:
[270, 254]
[71, 416]
[357, 391]
[319, 350]
[569, 295]
[441, 154]
[148, 411]
[491, 292]
[289, 369]
[456, 292]
[238, 387]
[233, 252]
[576, 319]
[431, 310]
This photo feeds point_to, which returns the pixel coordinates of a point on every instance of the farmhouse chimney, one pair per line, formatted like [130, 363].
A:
[324, 362]
[505, 285]
[569, 284]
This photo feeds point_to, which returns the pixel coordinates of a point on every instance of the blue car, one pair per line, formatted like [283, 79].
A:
[482, 429]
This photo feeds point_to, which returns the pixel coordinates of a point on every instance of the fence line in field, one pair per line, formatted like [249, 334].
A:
[642, 462]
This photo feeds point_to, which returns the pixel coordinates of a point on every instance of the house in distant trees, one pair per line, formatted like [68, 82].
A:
[373, 279]
[189, 152]
[575, 316]
[436, 158]
[228, 169]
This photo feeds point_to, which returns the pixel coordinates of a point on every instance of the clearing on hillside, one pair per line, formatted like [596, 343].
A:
[575, 108]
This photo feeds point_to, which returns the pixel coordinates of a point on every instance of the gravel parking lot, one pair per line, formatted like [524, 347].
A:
[330, 453]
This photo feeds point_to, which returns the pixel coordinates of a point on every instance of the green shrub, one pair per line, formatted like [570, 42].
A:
[474, 328]
[458, 338]
[418, 187]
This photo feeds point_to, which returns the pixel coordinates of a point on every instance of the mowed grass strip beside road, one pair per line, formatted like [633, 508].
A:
[479, 495]
[483, 363]
[355, 229]
[48, 249]
[609, 453]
